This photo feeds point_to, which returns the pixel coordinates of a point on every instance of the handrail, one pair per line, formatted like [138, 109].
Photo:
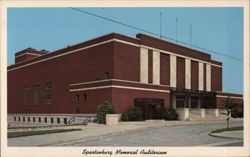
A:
[85, 121]
[71, 120]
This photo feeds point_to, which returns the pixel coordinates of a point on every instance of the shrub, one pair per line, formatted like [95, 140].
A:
[124, 117]
[170, 114]
[134, 114]
[102, 110]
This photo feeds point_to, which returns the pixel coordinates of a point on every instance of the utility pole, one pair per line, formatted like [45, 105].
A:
[190, 31]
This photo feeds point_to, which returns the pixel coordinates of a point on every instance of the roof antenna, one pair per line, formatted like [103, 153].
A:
[160, 26]
[176, 29]
[190, 40]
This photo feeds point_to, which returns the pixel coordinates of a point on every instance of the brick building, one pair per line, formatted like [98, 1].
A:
[142, 71]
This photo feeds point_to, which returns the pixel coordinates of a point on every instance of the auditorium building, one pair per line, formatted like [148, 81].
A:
[141, 71]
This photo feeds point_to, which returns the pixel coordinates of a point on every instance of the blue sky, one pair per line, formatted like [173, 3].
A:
[216, 29]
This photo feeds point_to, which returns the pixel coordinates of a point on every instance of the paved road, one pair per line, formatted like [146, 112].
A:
[185, 135]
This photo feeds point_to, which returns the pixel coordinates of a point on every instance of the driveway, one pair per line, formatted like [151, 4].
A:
[184, 135]
[178, 133]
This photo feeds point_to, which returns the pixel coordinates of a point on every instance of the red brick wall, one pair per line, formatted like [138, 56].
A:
[164, 69]
[123, 99]
[205, 77]
[167, 46]
[23, 58]
[127, 62]
[216, 78]
[86, 65]
[150, 66]
[180, 72]
[94, 98]
[194, 75]
[220, 101]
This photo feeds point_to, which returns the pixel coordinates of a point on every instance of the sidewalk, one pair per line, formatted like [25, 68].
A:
[93, 131]
[229, 134]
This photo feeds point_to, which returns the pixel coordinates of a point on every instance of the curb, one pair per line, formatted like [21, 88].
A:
[226, 137]
[219, 144]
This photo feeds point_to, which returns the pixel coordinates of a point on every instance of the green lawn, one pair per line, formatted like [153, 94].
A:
[39, 132]
[229, 129]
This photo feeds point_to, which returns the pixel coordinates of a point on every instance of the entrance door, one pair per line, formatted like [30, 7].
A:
[149, 107]
[148, 111]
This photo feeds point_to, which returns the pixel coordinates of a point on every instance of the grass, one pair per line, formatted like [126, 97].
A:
[229, 129]
[39, 132]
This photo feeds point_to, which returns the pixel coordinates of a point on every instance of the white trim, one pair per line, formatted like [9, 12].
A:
[223, 96]
[82, 83]
[143, 65]
[208, 77]
[111, 40]
[173, 69]
[125, 42]
[201, 76]
[63, 54]
[187, 73]
[178, 55]
[121, 87]
[156, 67]
[27, 53]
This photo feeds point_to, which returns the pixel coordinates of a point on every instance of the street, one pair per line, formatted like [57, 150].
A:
[184, 135]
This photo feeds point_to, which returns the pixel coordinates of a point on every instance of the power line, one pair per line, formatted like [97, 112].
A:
[111, 20]
[155, 34]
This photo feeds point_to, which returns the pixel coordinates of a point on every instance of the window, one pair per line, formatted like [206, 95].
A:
[14, 118]
[19, 119]
[36, 94]
[48, 92]
[45, 120]
[77, 98]
[106, 75]
[65, 120]
[180, 101]
[85, 97]
[39, 119]
[28, 119]
[58, 120]
[52, 120]
[24, 119]
[26, 95]
[34, 119]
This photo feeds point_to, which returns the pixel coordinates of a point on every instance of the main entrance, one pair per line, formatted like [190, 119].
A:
[150, 107]
[181, 98]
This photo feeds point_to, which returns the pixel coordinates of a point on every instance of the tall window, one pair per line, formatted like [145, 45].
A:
[106, 75]
[26, 95]
[77, 98]
[48, 92]
[36, 94]
[85, 97]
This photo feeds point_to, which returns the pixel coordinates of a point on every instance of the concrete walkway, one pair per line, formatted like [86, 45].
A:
[93, 131]
[229, 134]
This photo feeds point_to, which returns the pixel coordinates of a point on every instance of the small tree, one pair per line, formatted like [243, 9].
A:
[229, 106]
[102, 110]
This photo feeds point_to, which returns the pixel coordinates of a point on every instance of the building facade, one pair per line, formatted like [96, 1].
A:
[144, 71]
